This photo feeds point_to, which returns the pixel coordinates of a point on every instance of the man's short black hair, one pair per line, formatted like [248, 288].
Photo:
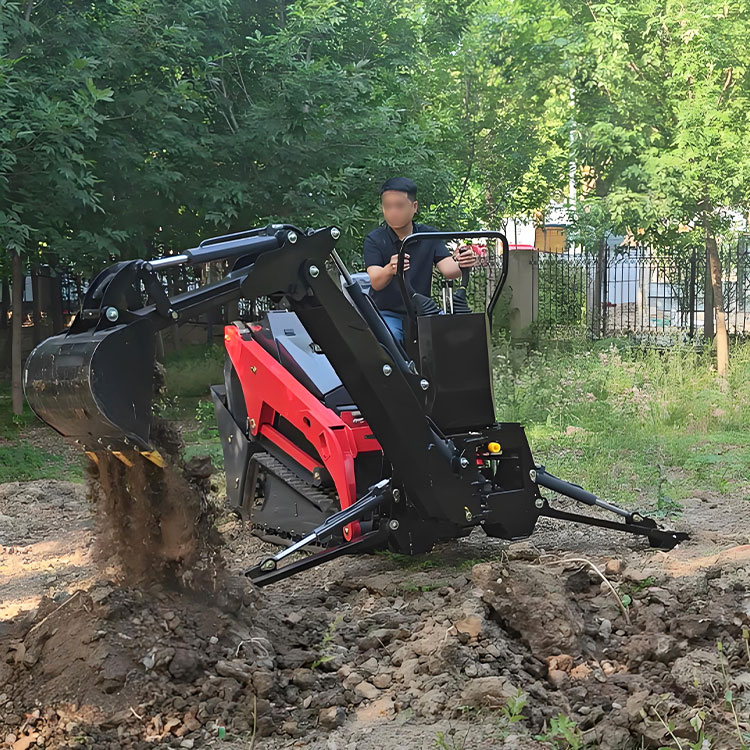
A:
[403, 185]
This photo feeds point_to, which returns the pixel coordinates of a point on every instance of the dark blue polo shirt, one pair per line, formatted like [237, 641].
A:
[383, 242]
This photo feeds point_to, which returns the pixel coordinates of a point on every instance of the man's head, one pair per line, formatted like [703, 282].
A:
[398, 198]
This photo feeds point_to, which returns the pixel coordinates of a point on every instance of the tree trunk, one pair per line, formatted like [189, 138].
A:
[722, 336]
[4, 304]
[708, 301]
[56, 303]
[15, 354]
[36, 305]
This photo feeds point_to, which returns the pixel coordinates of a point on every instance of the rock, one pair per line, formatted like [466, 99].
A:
[557, 678]
[402, 654]
[367, 690]
[291, 728]
[191, 723]
[296, 657]
[641, 575]
[352, 680]
[334, 696]
[381, 637]
[605, 629]
[264, 683]
[432, 702]
[487, 691]
[635, 703]
[608, 668]
[187, 743]
[471, 626]
[532, 602]
[428, 642]
[689, 626]
[698, 672]
[612, 737]
[655, 646]
[613, 567]
[304, 678]
[382, 680]
[236, 669]
[332, 717]
[370, 667]
[578, 582]
[25, 742]
[562, 662]
[185, 664]
[376, 710]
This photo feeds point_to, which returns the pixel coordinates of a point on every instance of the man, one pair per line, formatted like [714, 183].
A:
[398, 199]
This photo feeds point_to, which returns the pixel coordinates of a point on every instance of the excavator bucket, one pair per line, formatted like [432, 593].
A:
[96, 386]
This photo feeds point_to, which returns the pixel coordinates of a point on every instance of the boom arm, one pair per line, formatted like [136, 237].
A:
[115, 330]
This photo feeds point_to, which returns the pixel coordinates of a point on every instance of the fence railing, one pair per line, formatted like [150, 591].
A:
[641, 292]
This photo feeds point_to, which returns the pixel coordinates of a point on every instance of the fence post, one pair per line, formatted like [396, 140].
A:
[600, 274]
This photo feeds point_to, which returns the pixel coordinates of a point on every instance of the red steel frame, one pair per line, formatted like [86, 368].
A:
[270, 389]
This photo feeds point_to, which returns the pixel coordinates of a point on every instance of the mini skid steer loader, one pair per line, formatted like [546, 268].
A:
[337, 440]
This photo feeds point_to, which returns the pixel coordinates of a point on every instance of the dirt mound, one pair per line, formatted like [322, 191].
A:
[157, 521]
[500, 653]
[115, 667]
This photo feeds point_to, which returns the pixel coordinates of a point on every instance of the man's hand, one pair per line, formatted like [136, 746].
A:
[393, 264]
[381, 276]
[466, 257]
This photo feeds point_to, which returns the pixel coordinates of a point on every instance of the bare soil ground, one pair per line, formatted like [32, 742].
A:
[483, 644]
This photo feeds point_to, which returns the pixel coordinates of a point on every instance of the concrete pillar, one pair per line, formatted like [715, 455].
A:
[523, 283]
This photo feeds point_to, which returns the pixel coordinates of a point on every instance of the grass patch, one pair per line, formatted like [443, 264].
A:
[11, 423]
[628, 422]
[23, 461]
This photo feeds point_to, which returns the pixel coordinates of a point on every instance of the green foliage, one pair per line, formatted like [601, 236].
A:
[450, 740]
[563, 733]
[561, 304]
[191, 370]
[512, 709]
[326, 643]
[139, 126]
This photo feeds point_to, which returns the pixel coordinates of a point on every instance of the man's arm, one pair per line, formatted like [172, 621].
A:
[381, 276]
[451, 267]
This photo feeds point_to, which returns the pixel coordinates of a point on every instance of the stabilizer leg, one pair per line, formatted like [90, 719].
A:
[632, 523]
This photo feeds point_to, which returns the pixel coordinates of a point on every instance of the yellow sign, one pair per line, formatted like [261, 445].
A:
[550, 239]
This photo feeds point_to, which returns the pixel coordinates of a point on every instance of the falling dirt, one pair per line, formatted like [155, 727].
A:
[575, 636]
[156, 520]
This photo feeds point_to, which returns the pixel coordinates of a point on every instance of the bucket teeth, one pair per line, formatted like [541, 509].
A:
[155, 457]
[122, 457]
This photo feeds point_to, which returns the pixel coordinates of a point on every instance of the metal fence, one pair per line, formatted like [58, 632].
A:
[640, 292]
